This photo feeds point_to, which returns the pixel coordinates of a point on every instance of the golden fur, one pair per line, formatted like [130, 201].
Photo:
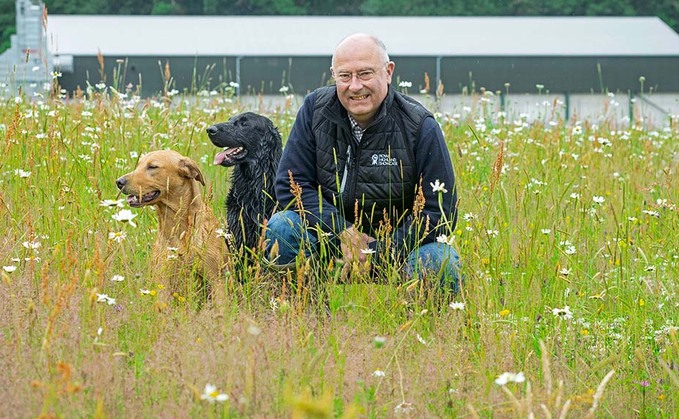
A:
[188, 256]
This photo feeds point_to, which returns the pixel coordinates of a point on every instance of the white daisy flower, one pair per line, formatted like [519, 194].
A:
[510, 377]
[103, 298]
[22, 173]
[437, 186]
[212, 395]
[112, 203]
[564, 313]
[125, 216]
[456, 305]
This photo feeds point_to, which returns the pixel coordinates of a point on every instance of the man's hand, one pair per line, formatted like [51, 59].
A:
[352, 242]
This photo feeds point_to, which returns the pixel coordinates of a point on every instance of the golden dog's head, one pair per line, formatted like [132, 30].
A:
[160, 176]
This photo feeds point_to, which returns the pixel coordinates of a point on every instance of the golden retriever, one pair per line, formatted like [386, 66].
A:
[189, 257]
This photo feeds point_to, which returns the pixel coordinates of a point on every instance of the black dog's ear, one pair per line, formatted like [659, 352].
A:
[189, 169]
[272, 131]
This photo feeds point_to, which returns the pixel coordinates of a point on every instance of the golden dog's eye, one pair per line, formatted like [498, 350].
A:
[151, 166]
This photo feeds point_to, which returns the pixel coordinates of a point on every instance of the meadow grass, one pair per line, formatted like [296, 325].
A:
[569, 236]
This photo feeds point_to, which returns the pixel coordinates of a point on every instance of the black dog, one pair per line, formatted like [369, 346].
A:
[253, 146]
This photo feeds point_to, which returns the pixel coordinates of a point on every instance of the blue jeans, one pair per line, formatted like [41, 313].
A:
[293, 237]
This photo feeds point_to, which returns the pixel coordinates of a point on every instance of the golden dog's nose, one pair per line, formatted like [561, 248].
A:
[121, 182]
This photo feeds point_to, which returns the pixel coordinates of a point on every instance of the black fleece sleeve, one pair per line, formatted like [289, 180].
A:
[299, 161]
[434, 166]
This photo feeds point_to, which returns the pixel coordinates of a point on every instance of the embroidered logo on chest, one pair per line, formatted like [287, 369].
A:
[383, 160]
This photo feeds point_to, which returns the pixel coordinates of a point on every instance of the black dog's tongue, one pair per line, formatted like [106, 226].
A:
[222, 155]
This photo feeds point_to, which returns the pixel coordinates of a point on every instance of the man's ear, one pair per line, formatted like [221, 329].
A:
[390, 71]
[189, 169]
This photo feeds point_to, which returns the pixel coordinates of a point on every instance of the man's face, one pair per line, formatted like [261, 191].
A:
[362, 77]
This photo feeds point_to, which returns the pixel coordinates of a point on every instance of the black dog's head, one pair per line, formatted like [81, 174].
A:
[245, 138]
[253, 146]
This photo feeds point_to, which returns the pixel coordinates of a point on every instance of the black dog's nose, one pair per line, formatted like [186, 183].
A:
[212, 130]
[121, 182]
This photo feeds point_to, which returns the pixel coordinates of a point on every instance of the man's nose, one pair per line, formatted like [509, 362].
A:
[355, 83]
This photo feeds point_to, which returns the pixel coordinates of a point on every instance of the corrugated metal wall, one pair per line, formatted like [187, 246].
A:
[266, 75]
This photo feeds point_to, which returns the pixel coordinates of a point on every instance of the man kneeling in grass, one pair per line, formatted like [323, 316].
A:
[381, 164]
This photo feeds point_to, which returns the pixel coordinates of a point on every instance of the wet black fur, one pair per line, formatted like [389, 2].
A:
[251, 198]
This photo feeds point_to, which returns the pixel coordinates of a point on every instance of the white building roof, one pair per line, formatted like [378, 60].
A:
[318, 35]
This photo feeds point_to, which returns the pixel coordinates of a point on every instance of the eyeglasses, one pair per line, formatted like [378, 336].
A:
[346, 78]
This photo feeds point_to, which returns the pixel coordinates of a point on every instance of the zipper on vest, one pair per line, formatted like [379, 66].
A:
[343, 184]
[353, 170]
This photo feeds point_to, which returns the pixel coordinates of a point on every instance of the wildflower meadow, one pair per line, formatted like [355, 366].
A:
[568, 232]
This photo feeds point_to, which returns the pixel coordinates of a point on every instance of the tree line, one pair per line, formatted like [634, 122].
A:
[667, 10]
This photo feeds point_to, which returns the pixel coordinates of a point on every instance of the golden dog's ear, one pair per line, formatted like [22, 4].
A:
[189, 169]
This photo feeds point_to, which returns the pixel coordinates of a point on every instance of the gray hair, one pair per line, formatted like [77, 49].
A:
[382, 47]
[377, 41]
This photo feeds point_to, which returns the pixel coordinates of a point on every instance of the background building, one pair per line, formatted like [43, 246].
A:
[566, 60]
[263, 54]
